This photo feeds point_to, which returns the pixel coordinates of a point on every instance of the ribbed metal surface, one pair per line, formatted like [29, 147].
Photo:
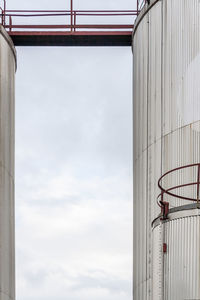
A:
[181, 90]
[157, 263]
[147, 146]
[166, 58]
[182, 265]
[140, 164]
[7, 133]
[176, 273]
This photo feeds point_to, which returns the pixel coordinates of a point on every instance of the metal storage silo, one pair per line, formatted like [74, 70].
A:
[166, 58]
[7, 133]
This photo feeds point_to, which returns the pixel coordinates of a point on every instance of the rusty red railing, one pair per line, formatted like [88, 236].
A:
[9, 15]
[168, 191]
[73, 26]
[9, 18]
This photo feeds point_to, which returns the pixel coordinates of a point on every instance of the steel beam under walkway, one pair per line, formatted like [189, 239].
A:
[52, 38]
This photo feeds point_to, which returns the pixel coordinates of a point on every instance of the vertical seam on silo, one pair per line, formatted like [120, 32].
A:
[133, 164]
[148, 203]
[198, 260]
[161, 86]
[162, 292]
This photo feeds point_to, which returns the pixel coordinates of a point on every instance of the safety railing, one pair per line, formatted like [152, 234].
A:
[10, 19]
[164, 202]
[9, 15]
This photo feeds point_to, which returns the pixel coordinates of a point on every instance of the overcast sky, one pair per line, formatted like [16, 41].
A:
[74, 168]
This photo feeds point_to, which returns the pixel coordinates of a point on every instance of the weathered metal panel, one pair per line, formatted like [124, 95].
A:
[182, 263]
[181, 147]
[166, 51]
[154, 106]
[147, 134]
[154, 171]
[140, 163]
[140, 229]
[154, 75]
[7, 133]
[176, 271]
[181, 42]
[181, 88]
[157, 263]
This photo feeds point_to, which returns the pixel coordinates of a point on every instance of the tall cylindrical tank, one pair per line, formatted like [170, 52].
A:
[7, 135]
[166, 58]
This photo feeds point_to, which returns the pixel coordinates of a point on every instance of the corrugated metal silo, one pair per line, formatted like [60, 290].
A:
[7, 133]
[166, 57]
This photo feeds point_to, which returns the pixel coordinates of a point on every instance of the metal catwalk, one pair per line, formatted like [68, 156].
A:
[70, 27]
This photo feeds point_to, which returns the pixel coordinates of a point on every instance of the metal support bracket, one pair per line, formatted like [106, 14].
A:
[164, 210]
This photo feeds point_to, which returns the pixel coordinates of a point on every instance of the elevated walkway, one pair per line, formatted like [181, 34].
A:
[70, 27]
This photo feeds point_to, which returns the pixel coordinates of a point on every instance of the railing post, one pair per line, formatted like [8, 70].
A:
[198, 183]
[74, 20]
[161, 202]
[71, 10]
[10, 23]
[4, 13]
[138, 7]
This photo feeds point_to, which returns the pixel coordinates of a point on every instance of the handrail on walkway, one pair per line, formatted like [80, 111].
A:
[8, 18]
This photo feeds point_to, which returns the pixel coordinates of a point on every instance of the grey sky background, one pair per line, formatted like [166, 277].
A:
[74, 168]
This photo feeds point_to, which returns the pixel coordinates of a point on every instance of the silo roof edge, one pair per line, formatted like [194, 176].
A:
[142, 14]
[6, 36]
